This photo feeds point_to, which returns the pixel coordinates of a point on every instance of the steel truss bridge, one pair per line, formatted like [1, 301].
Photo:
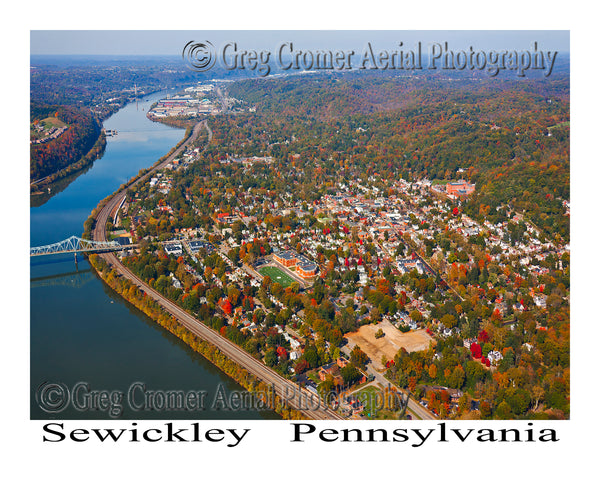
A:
[75, 245]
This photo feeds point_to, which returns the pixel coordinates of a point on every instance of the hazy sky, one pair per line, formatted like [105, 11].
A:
[168, 42]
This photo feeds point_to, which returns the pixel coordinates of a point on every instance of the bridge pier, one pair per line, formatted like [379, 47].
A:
[75, 255]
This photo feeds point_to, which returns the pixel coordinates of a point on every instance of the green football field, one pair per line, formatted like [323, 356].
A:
[277, 275]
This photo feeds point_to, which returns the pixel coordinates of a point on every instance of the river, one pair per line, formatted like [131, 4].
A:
[82, 332]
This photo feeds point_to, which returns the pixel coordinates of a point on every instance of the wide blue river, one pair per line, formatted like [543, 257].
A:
[83, 334]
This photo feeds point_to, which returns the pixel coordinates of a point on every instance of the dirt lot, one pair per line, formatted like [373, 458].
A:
[389, 344]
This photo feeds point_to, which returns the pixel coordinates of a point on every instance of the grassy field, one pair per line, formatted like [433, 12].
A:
[374, 401]
[50, 122]
[47, 124]
[562, 124]
[372, 398]
[277, 275]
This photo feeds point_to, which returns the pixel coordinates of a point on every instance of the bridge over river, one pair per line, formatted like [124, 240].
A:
[77, 245]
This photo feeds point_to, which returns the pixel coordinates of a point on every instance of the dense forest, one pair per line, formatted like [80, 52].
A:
[82, 133]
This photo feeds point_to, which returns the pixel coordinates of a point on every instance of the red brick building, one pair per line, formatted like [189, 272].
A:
[459, 188]
[287, 259]
[307, 270]
[303, 267]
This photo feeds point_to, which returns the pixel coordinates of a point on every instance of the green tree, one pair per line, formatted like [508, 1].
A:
[271, 358]
[503, 411]
[457, 377]
[358, 357]
[449, 321]
[518, 399]
[350, 374]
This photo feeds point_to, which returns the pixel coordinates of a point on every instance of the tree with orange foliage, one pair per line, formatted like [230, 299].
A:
[412, 383]
[383, 285]
[227, 307]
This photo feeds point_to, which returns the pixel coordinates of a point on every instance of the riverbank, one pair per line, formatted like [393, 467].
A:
[86, 160]
[177, 122]
[89, 224]
[58, 181]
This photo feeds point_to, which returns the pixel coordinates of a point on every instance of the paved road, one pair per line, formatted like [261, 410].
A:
[298, 398]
